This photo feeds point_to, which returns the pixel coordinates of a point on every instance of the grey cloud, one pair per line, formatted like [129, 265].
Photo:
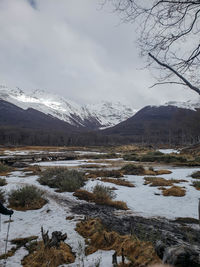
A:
[32, 3]
[75, 49]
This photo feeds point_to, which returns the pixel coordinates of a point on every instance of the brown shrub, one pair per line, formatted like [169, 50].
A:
[84, 195]
[28, 197]
[91, 197]
[196, 184]
[121, 182]
[138, 252]
[196, 175]
[52, 257]
[5, 169]
[160, 172]
[132, 169]
[157, 181]
[175, 191]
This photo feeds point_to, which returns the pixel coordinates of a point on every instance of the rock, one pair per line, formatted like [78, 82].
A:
[160, 248]
[182, 256]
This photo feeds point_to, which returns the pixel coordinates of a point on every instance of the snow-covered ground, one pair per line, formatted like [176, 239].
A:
[142, 200]
[67, 163]
[22, 152]
[53, 218]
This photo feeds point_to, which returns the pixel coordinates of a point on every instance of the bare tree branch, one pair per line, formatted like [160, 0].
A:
[163, 83]
[186, 82]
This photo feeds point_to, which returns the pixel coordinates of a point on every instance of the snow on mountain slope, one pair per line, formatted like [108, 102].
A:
[104, 114]
[109, 114]
[190, 104]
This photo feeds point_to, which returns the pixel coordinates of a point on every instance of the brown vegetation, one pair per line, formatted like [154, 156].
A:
[121, 182]
[175, 191]
[5, 169]
[18, 242]
[26, 198]
[52, 257]
[33, 170]
[196, 175]
[158, 172]
[92, 197]
[104, 173]
[196, 184]
[139, 253]
[158, 181]
[132, 169]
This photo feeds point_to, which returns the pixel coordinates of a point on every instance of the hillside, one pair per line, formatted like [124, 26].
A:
[163, 124]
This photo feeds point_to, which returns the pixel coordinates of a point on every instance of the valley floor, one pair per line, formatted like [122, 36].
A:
[142, 200]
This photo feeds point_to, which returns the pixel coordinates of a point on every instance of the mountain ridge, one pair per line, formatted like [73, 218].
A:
[95, 116]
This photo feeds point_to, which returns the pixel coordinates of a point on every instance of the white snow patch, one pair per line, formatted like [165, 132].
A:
[141, 198]
[169, 151]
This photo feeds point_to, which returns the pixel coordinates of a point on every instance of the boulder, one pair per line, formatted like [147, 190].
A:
[182, 256]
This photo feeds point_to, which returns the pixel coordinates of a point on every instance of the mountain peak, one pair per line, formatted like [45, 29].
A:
[101, 115]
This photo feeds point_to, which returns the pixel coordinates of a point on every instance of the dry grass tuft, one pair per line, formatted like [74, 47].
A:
[175, 191]
[196, 184]
[196, 175]
[132, 169]
[91, 197]
[5, 169]
[159, 172]
[158, 181]
[18, 242]
[33, 170]
[121, 182]
[97, 237]
[52, 257]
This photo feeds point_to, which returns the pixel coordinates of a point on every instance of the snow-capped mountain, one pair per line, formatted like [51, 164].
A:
[190, 104]
[109, 114]
[101, 115]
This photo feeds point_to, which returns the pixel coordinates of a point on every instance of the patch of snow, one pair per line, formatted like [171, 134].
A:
[190, 104]
[67, 163]
[141, 198]
[169, 151]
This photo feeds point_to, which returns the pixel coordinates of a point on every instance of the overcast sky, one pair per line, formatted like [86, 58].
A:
[78, 50]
